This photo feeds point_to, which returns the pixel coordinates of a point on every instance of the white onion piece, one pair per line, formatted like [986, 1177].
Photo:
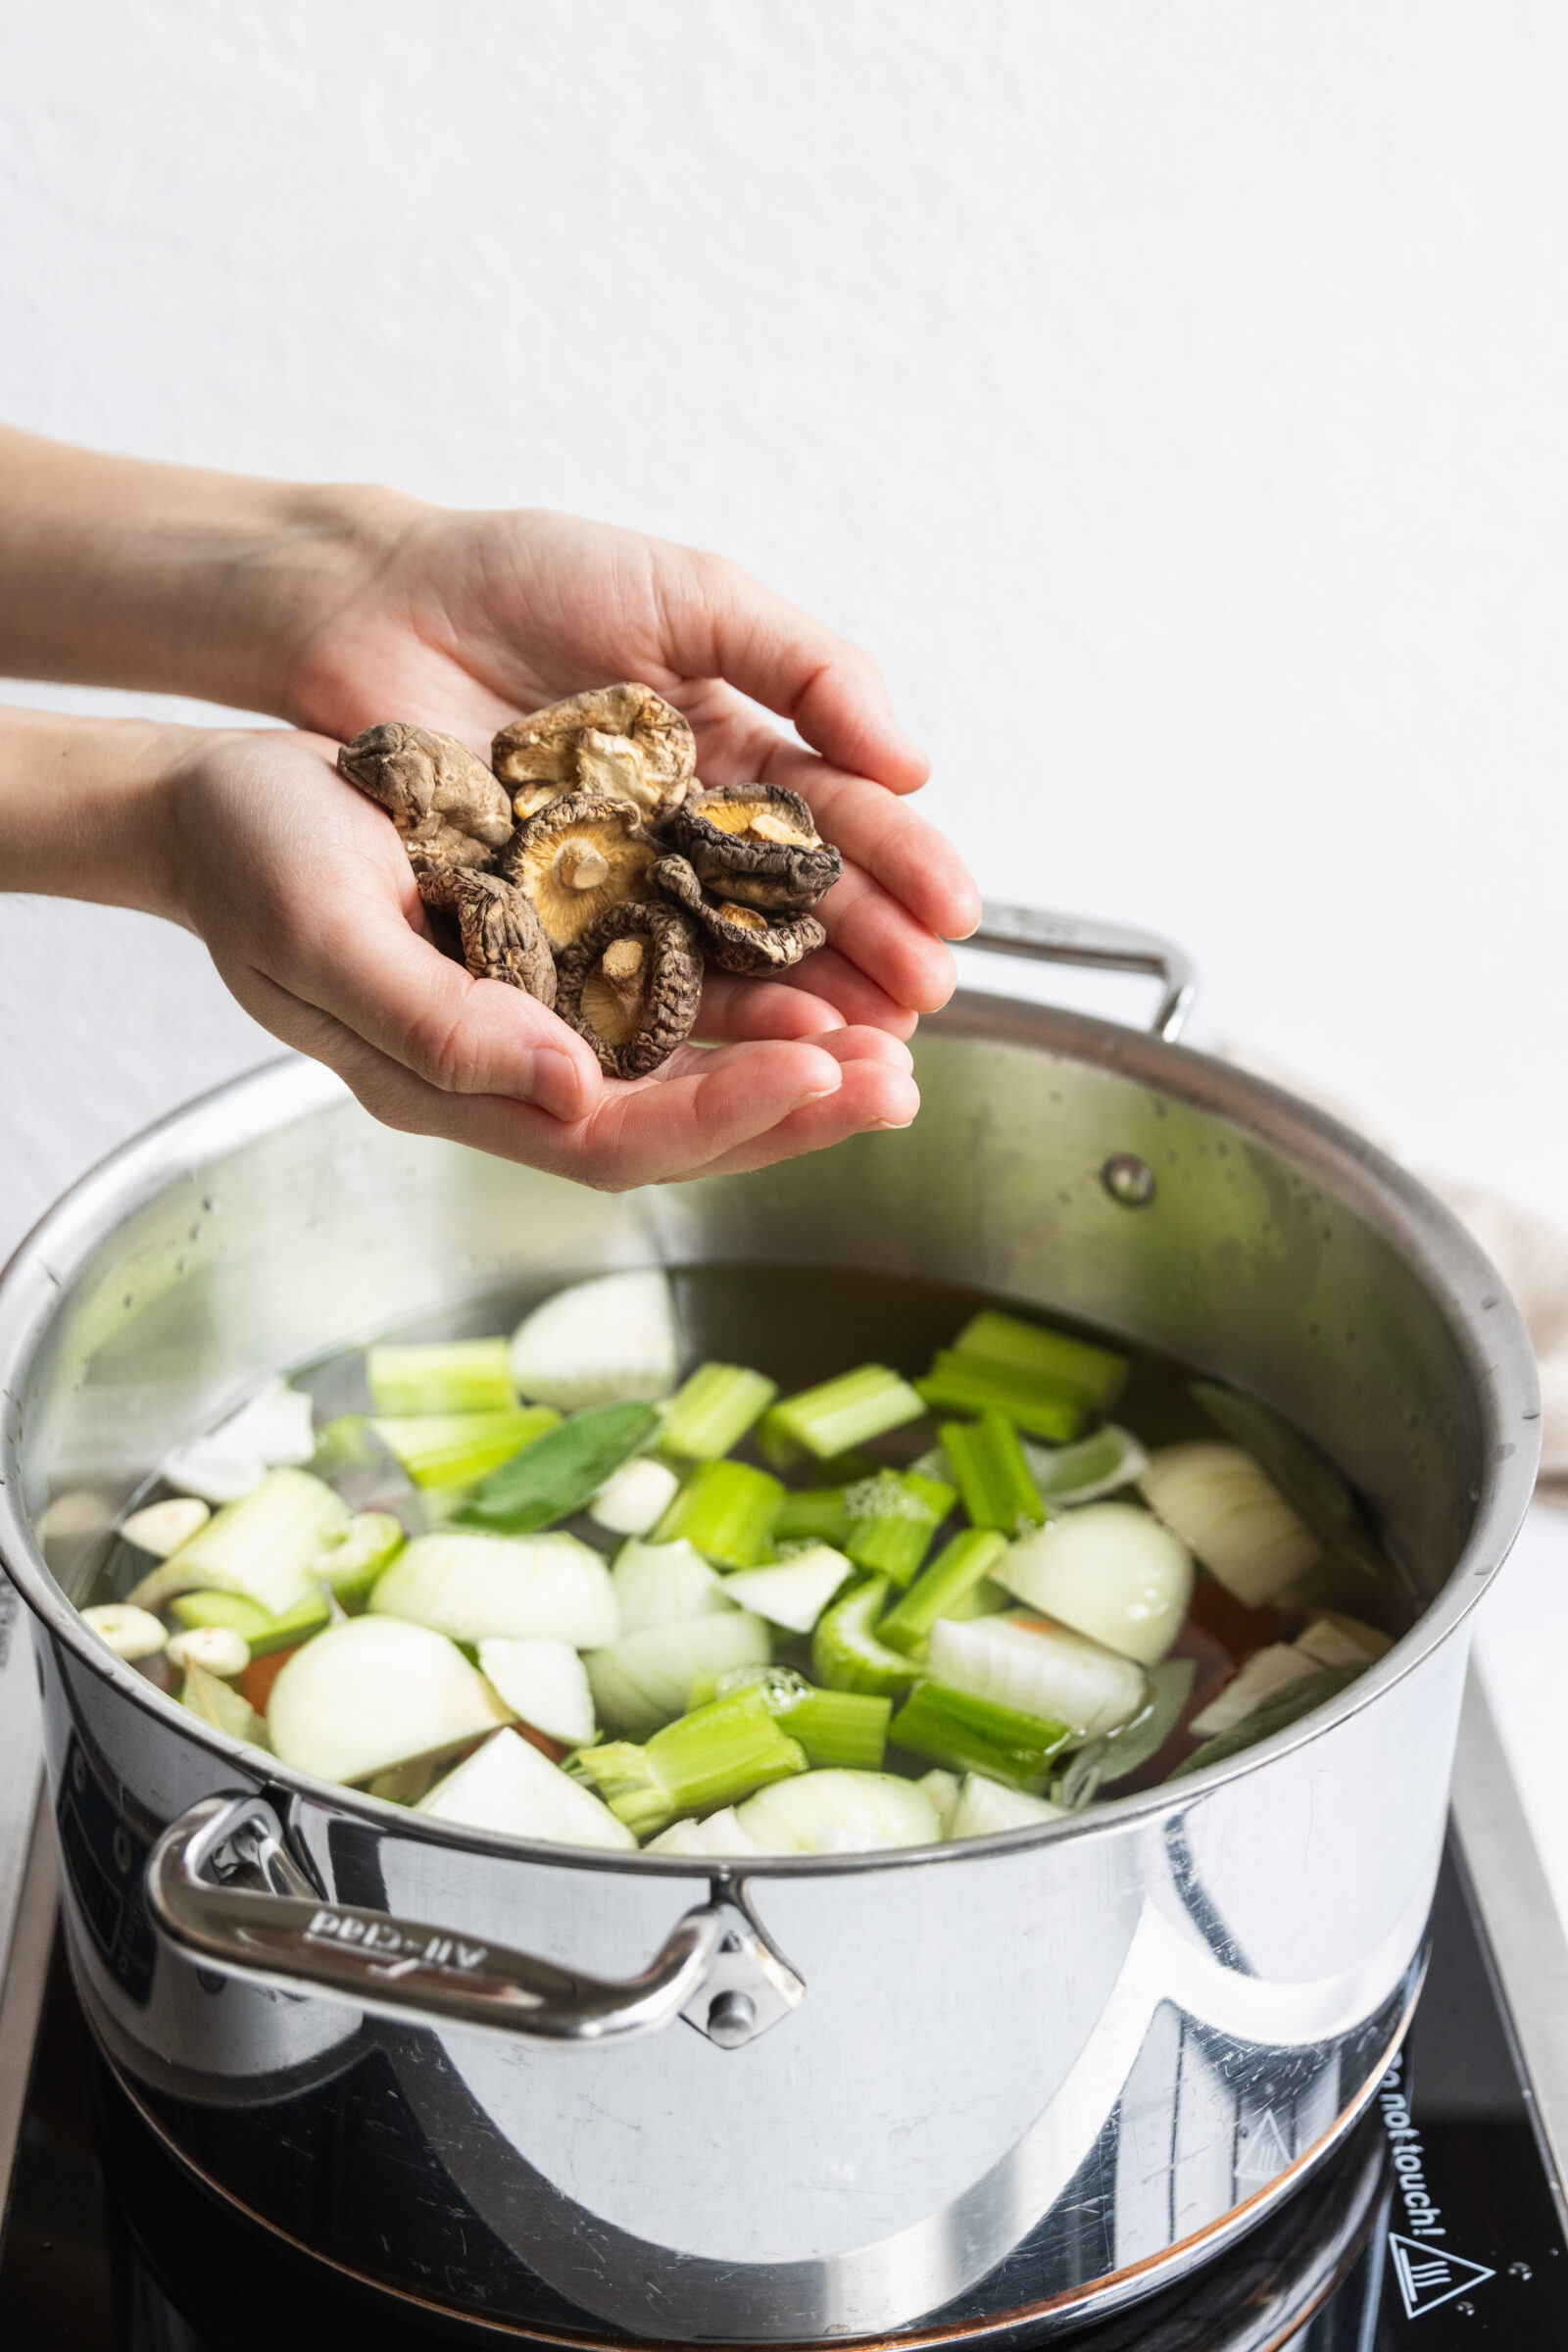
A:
[276, 1423]
[1041, 1669]
[985, 1806]
[509, 1786]
[215, 1470]
[162, 1527]
[664, 1583]
[1109, 1570]
[1334, 1639]
[599, 1343]
[942, 1788]
[130, 1631]
[720, 1834]
[1092, 1466]
[544, 1683]
[1264, 1673]
[372, 1691]
[548, 1588]
[838, 1812]
[646, 1679]
[216, 1648]
[634, 1497]
[796, 1591]
[1221, 1505]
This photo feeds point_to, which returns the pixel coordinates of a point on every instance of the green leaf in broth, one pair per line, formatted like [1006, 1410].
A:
[1286, 1707]
[1102, 1761]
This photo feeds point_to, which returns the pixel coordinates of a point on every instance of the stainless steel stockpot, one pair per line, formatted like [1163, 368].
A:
[841, 2090]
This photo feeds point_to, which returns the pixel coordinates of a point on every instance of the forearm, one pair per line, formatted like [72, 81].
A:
[168, 578]
[85, 807]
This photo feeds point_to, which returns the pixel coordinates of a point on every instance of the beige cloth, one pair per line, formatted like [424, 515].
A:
[1529, 1252]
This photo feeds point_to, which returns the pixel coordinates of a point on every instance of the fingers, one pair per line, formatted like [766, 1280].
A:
[831, 978]
[896, 953]
[734, 1010]
[877, 1091]
[720, 624]
[892, 843]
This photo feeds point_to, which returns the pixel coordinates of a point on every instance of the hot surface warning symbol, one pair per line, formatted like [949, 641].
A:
[1429, 2277]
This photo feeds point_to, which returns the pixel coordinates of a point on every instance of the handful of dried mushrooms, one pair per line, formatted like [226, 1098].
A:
[605, 878]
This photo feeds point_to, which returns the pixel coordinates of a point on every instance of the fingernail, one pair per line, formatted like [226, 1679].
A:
[551, 1079]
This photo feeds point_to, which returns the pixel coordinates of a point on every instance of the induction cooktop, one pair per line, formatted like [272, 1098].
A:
[1439, 2223]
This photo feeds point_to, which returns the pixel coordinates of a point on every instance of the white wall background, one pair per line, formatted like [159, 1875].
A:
[1173, 393]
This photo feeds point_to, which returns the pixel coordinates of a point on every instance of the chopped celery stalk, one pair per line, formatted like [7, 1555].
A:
[815, 1516]
[644, 1679]
[509, 1786]
[162, 1527]
[892, 1520]
[1040, 1669]
[1260, 1677]
[938, 1590]
[711, 1757]
[536, 1587]
[942, 1788]
[664, 1583]
[1307, 1480]
[794, 1594]
[992, 1474]
[846, 1653]
[1118, 1753]
[130, 1633]
[833, 1727]
[967, 1384]
[458, 1450]
[1098, 1373]
[1097, 1465]
[635, 1498]
[964, 1734]
[544, 1684]
[984, 1807]
[720, 1834]
[1109, 1570]
[374, 1691]
[1286, 1707]
[839, 1414]
[561, 1472]
[457, 1376]
[713, 1410]
[604, 1342]
[263, 1546]
[837, 1812]
[1227, 1509]
[354, 1559]
[728, 1510]
[263, 1632]
[218, 1703]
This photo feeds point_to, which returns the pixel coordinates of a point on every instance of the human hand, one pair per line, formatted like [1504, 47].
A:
[305, 899]
[463, 622]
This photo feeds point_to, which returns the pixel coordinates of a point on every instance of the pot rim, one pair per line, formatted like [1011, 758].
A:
[1483, 1319]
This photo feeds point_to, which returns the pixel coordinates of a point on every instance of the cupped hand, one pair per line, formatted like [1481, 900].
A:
[461, 621]
[304, 898]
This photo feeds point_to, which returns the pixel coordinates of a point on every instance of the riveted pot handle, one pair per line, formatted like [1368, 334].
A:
[1106, 947]
[716, 1967]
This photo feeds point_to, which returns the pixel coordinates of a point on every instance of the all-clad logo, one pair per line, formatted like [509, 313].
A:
[398, 1952]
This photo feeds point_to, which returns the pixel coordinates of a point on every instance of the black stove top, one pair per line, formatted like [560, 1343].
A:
[1435, 2226]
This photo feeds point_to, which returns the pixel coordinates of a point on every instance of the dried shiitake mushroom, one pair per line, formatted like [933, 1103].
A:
[626, 742]
[632, 986]
[442, 800]
[581, 856]
[755, 844]
[738, 939]
[501, 934]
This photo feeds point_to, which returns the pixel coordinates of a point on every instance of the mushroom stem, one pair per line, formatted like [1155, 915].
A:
[623, 967]
[579, 865]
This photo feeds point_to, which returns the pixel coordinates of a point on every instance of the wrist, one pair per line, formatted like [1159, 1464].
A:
[86, 808]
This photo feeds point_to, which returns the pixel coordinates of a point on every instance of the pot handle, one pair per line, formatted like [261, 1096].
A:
[715, 1969]
[1106, 947]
